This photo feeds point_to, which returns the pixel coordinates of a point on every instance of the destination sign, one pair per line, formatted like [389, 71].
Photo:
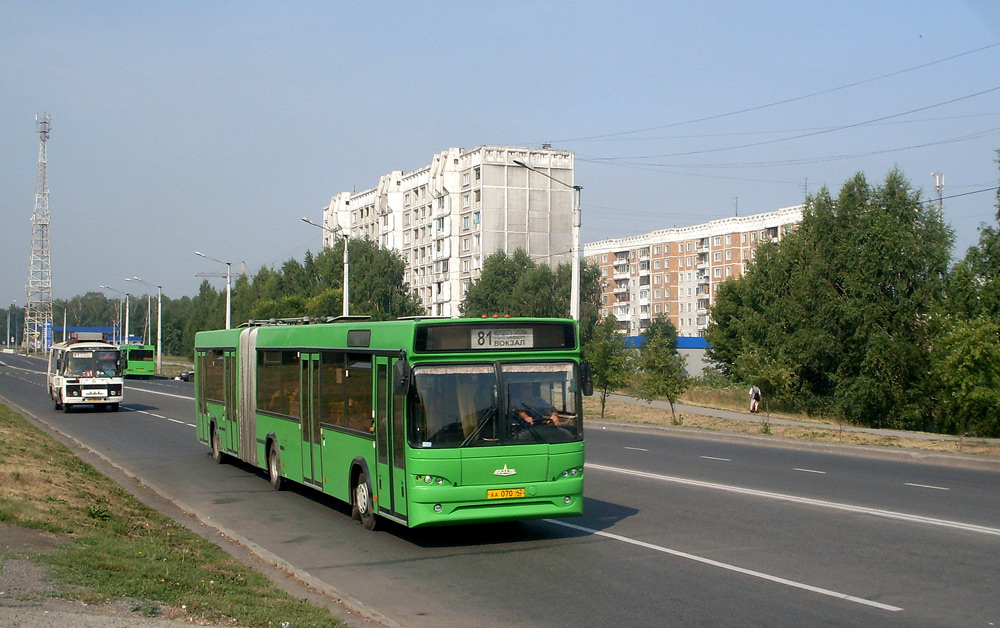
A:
[502, 338]
[523, 335]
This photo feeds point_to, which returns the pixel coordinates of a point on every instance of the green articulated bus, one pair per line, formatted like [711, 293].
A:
[138, 360]
[424, 422]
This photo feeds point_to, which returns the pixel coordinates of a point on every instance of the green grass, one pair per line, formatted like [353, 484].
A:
[116, 547]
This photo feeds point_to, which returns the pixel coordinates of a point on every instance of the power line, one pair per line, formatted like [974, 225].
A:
[811, 134]
[781, 102]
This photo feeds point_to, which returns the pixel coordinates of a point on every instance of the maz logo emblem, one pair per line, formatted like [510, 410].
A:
[505, 471]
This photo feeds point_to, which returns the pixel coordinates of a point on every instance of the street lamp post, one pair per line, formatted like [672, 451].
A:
[343, 233]
[7, 338]
[574, 296]
[127, 295]
[159, 322]
[229, 281]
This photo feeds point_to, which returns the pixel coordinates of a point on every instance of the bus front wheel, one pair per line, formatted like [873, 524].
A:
[364, 505]
[274, 467]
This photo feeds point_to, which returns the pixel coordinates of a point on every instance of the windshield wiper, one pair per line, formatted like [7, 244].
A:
[488, 414]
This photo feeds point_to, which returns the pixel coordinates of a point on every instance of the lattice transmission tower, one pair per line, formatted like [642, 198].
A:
[38, 308]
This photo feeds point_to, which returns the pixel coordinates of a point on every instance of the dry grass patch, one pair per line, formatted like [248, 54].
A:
[118, 548]
[642, 413]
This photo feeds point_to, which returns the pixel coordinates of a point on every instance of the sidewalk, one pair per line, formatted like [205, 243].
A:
[758, 418]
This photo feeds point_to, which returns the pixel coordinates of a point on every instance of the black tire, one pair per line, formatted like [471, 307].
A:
[364, 504]
[217, 454]
[274, 468]
[113, 407]
[57, 402]
[66, 407]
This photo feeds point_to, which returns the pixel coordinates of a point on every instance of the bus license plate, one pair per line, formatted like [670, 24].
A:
[505, 493]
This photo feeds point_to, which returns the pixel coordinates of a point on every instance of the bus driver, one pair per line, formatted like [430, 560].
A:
[530, 408]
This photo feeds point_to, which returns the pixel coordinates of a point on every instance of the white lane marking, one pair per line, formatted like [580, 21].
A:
[888, 514]
[714, 458]
[728, 567]
[936, 488]
[155, 392]
[636, 449]
[810, 471]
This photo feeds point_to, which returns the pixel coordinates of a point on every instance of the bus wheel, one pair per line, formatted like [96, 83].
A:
[217, 454]
[114, 407]
[274, 467]
[364, 507]
[57, 400]
[66, 407]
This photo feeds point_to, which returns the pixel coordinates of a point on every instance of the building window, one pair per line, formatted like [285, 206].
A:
[604, 258]
[465, 223]
[465, 244]
[475, 218]
[465, 179]
[717, 257]
[465, 201]
[729, 239]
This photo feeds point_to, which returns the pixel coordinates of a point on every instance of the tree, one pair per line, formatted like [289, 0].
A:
[966, 365]
[839, 314]
[609, 359]
[516, 285]
[662, 370]
[974, 284]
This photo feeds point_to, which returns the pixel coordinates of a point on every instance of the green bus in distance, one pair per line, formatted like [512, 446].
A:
[424, 422]
[138, 360]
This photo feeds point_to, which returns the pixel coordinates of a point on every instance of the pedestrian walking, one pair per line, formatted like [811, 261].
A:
[754, 399]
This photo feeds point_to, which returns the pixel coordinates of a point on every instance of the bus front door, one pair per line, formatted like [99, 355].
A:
[312, 438]
[390, 443]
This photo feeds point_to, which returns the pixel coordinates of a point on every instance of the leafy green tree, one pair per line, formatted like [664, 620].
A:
[974, 284]
[966, 367]
[838, 315]
[610, 360]
[662, 370]
[516, 285]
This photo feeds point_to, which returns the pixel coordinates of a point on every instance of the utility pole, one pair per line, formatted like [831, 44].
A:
[38, 307]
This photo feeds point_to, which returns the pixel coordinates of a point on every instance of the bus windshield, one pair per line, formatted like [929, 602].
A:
[92, 364]
[494, 404]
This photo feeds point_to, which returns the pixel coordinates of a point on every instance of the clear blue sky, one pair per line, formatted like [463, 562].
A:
[214, 126]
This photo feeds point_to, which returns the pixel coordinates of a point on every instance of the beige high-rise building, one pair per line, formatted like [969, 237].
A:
[444, 218]
[676, 272]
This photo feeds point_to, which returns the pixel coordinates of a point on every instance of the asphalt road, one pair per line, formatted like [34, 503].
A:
[678, 531]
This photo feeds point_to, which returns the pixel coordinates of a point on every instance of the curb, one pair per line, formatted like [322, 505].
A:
[351, 604]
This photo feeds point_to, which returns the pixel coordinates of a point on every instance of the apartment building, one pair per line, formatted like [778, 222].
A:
[466, 204]
[676, 272]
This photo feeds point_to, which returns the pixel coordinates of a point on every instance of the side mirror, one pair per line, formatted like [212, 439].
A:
[401, 378]
[586, 379]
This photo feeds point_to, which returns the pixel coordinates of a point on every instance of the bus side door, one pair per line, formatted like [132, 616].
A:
[390, 442]
[312, 438]
[230, 395]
